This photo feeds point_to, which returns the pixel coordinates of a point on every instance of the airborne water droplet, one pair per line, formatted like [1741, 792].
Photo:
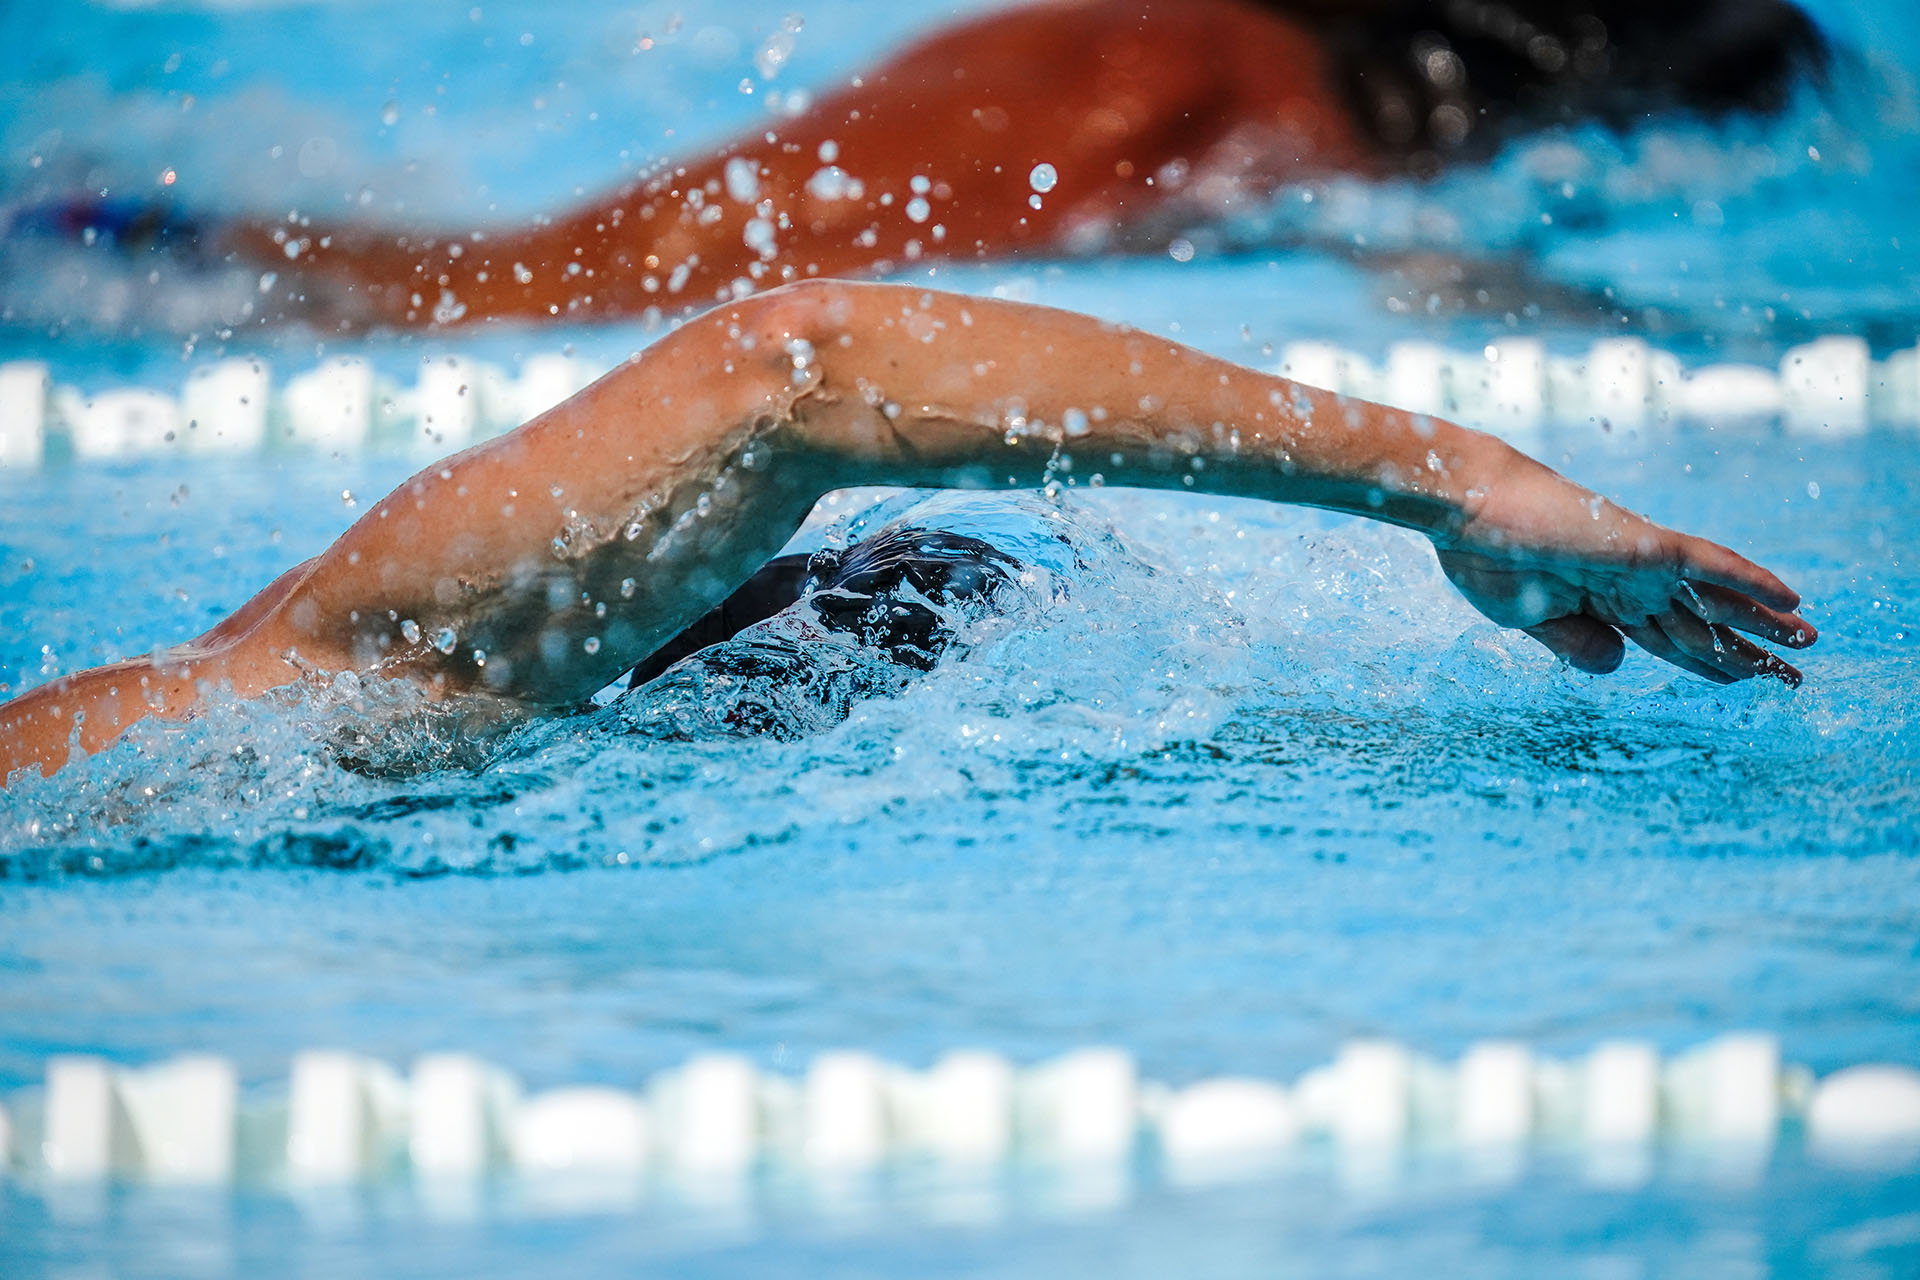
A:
[591, 644]
[1043, 178]
[411, 630]
[444, 639]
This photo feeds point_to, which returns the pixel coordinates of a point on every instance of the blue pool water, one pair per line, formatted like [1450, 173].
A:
[1241, 784]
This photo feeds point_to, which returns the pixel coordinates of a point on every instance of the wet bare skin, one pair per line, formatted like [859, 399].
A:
[1149, 111]
[569, 549]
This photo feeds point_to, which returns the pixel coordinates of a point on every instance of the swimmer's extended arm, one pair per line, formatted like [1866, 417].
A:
[538, 566]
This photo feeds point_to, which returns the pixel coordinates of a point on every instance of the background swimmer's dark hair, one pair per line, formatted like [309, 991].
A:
[1440, 79]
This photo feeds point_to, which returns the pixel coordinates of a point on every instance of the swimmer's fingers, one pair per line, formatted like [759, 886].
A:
[1724, 607]
[1655, 641]
[1584, 643]
[1706, 562]
[1713, 652]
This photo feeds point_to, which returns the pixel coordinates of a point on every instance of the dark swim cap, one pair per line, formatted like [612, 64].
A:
[1435, 79]
[893, 592]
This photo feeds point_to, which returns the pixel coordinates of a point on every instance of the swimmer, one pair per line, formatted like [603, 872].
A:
[1060, 126]
[530, 571]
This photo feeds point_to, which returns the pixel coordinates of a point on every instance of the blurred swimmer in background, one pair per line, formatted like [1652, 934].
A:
[1056, 127]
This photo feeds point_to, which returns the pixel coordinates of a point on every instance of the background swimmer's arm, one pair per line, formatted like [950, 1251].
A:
[539, 566]
[927, 155]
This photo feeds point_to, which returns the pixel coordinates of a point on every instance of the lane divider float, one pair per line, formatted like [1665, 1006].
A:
[343, 1120]
[1831, 387]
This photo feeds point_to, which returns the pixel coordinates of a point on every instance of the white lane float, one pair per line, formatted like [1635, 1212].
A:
[343, 1120]
[25, 393]
[224, 406]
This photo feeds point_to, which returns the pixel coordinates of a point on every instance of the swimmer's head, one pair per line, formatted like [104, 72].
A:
[1437, 79]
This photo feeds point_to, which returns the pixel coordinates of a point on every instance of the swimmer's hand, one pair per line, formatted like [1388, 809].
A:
[1578, 573]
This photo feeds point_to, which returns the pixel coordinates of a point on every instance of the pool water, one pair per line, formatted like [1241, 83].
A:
[1233, 785]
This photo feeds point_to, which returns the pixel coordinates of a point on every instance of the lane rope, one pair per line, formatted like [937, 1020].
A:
[1831, 387]
[342, 1120]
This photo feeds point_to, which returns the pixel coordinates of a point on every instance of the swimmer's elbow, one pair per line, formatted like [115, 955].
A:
[812, 311]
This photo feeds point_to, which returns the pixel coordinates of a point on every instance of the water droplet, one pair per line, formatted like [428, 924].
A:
[390, 114]
[444, 639]
[743, 180]
[759, 236]
[829, 182]
[627, 587]
[591, 644]
[1181, 250]
[774, 53]
[1074, 421]
[1043, 178]
[411, 630]
[1813, 488]
[918, 209]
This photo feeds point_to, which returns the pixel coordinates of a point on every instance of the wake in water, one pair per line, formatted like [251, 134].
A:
[1226, 674]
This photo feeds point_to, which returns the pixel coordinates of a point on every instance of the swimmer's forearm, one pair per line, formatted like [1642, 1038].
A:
[919, 388]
